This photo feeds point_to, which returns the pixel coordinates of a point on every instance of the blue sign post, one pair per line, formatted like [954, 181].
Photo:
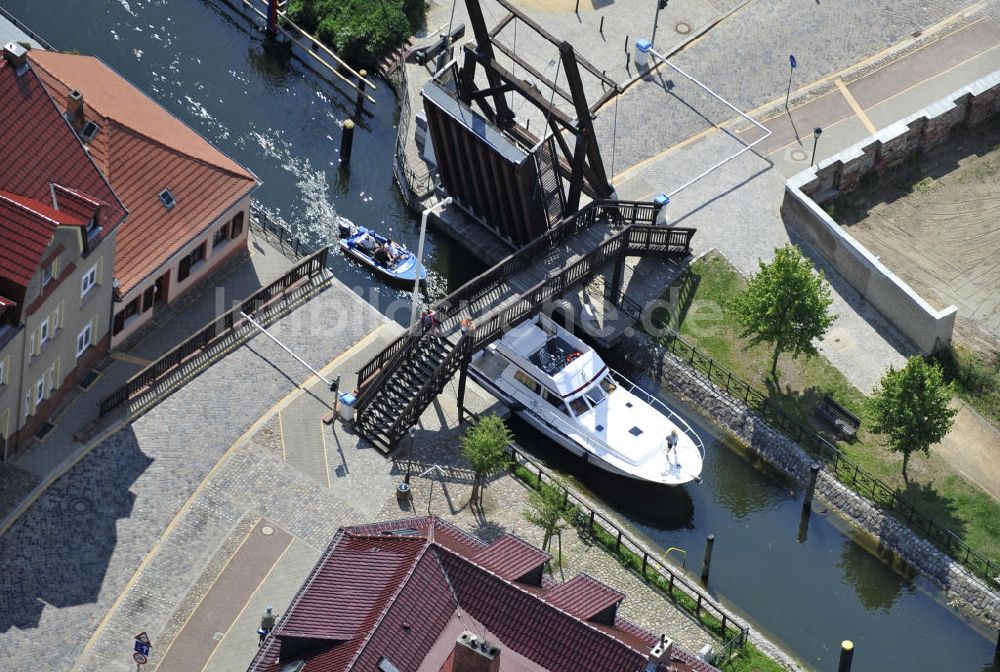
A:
[141, 649]
[792, 64]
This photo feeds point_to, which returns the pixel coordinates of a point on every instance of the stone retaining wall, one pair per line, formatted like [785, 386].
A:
[842, 173]
[967, 590]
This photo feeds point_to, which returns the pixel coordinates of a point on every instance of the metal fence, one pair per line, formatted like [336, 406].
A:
[651, 568]
[414, 184]
[278, 234]
[844, 468]
[191, 354]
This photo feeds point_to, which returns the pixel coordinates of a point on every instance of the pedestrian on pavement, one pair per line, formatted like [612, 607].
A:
[266, 624]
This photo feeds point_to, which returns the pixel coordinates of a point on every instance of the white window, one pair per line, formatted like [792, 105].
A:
[43, 332]
[89, 280]
[27, 405]
[46, 274]
[40, 390]
[83, 340]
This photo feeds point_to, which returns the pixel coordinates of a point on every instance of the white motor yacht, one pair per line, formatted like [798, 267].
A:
[558, 384]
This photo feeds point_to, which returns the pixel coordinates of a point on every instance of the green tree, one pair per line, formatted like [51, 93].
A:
[911, 408]
[484, 445]
[546, 511]
[786, 304]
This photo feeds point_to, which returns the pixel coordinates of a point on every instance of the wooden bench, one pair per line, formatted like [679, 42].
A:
[844, 422]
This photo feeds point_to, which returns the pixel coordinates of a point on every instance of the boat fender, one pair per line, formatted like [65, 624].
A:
[586, 457]
[573, 355]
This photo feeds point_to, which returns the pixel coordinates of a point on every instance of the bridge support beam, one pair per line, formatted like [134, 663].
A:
[617, 279]
[463, 374]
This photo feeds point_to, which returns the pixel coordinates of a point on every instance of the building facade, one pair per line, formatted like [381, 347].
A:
[59, 220]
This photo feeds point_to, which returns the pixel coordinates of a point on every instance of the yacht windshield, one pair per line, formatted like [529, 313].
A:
[608, 384]
[579, 406]
[596, 395]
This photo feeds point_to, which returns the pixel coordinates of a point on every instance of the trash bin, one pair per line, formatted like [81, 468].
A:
[347, 406]
[661, 201]
[642, 48]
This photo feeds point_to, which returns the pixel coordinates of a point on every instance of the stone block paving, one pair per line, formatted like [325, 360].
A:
[745, 60]
[68, 558]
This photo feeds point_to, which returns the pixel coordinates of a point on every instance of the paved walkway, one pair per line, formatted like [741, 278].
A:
[737, 209]
[125, 492]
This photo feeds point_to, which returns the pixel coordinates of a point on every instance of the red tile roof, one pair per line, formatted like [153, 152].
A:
[391, 590]
[583, 596]
[26, 228]
[143, 149]
[40, 149]
[511, 557]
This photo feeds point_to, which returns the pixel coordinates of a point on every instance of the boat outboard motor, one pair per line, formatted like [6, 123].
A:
[345, 227]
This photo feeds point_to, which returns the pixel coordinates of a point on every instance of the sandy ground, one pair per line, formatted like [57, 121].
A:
[972, 447]
[934, 222]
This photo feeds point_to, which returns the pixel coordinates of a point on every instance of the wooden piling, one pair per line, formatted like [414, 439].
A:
[359, 102]
[707, 562]
[813, 474]
[346, 142]
[846, 656]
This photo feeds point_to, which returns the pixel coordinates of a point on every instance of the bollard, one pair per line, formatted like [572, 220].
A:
[813, 474]
[709, 543]
[601, 29]
[346, 142]
[846, 656]
[359, 102]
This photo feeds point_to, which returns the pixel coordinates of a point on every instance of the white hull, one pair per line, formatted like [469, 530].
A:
[557, 384]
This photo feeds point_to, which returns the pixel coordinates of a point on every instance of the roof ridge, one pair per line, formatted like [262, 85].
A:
[547, 604]
[388, 604]
[22, 206]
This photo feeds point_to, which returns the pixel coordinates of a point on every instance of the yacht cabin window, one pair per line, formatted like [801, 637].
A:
[579, 406]
[527, 381]
[608, 384]
[596, 395]
[554, 400]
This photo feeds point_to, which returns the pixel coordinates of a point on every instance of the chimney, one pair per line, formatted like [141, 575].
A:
[475, 654]
[15, 55]
[662, 651]
[74, 109]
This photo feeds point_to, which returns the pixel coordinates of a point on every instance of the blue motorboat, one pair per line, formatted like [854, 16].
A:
[362, 244]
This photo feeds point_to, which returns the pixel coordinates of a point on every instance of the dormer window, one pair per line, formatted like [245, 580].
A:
[167, 199]
[90, 129]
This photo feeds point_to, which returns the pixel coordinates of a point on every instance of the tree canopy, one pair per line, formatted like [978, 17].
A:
[786, 303]
[359, 31]
[484, 445]
[911, 407]
[546, 511]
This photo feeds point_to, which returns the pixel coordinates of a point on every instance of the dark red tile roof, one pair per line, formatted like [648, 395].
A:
[143, 149]
[26, 229]
[511, 557]
[583, 596]
[40, 148]
[391, 590]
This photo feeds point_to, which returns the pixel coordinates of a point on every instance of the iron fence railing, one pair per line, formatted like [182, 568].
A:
[846, 470]
[730, 629]
[289, 243]
[190, 352]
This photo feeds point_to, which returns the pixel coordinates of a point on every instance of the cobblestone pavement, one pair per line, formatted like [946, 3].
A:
[745, 60]
[68, 558]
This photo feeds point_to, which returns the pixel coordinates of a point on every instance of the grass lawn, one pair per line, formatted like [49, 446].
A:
[935, 488]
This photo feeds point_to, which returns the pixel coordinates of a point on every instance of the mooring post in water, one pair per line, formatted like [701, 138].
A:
[846, 656]
[813, 474]
[804, 524]
[346, 141]
[359, 103]
[272, 17]
[709, 543]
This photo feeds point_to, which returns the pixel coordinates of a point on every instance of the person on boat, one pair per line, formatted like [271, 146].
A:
[395, 250]
[382, 255]
[366, 242]
[672, 440]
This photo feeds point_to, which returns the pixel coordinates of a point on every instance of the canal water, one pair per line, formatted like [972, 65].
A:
[205, 63]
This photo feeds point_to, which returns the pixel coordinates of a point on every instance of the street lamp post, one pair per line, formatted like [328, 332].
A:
[816, 133]
[420, 256]
[412, 431]
[660, 4]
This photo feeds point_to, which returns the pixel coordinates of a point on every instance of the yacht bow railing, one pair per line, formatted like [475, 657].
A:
[653, 401]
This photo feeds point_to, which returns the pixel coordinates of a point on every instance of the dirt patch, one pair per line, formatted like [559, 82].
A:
[934, 222]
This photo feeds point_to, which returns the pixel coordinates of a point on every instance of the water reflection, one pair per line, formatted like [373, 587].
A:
[875, 584]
